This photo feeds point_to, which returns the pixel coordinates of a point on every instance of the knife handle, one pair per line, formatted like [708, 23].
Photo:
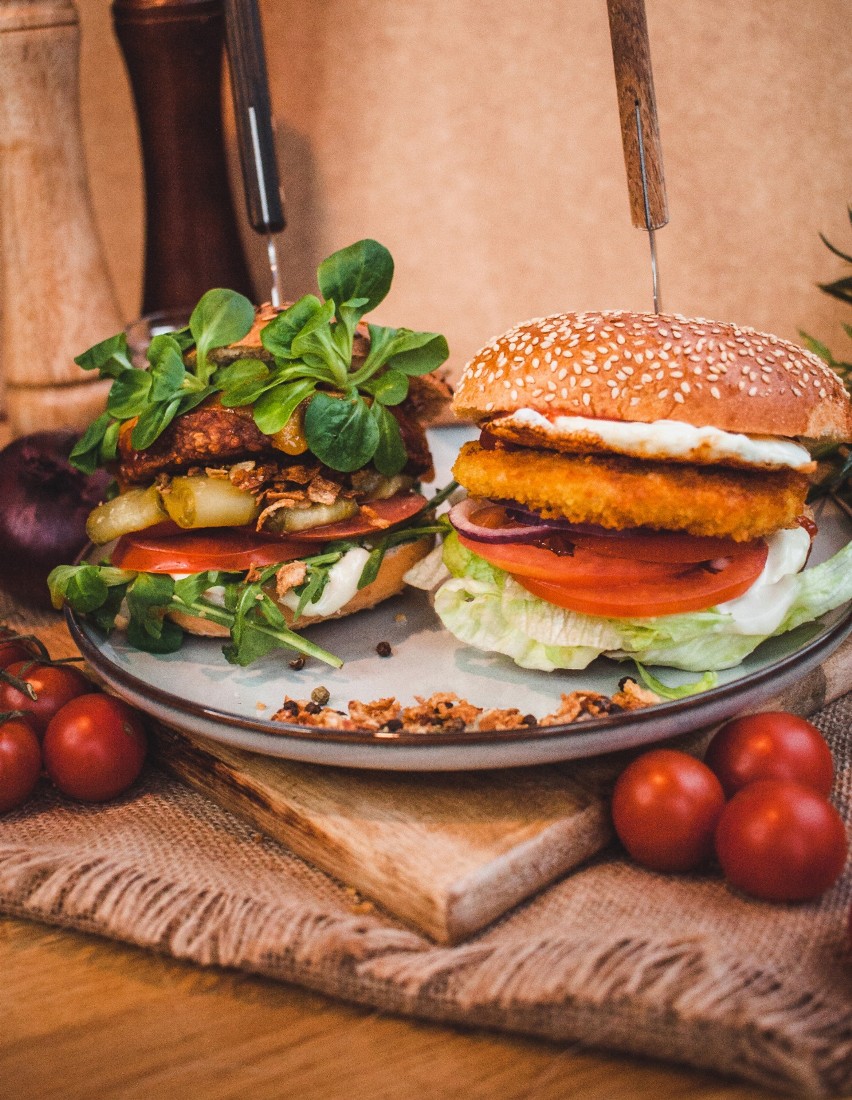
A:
[631, 54]
[253, 111]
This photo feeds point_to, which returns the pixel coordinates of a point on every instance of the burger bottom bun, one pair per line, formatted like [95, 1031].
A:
[396, 563]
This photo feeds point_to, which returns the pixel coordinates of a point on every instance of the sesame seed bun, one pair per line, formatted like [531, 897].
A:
[395, 564]
[645, 367]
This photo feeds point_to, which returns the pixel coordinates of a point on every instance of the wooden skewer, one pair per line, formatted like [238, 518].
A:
[640, 133]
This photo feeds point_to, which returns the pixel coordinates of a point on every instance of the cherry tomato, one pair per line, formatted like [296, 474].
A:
[665, 807]
[94, 747]
[772, 745]
[53, 685]
[781, 841]
[17, 647]
[20, 762]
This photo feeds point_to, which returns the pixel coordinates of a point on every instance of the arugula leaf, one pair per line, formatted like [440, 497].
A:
[190, 589]
[169, 639]
[221, 317]
[148, 597]
[341, 432]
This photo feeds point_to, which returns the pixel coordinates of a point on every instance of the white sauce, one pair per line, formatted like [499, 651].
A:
[342, 585]
[762, 608]
[669, 439]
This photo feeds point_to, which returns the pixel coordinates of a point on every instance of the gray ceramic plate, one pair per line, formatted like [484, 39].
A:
[196, 690]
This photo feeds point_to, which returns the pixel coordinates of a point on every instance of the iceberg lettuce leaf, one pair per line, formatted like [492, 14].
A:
[484, 607]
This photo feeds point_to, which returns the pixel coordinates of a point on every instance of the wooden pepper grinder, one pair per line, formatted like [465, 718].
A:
[56, 296]
[173, 50]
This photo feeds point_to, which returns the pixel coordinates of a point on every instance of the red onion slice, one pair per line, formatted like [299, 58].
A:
[463, 516]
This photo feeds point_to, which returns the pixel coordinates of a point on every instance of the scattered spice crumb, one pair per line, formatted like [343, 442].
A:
[445, 712]
[356, 903]
[260, 706]
[297, 664]
[320, 695]
[400, 618]
[384, 649]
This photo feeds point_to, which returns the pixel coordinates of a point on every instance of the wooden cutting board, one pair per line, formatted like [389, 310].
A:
[445, 852]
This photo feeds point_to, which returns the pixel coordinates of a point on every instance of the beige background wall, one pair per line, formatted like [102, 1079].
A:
[479, 140]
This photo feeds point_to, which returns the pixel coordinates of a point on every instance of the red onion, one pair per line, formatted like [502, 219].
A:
[463, 516]
[44, 504]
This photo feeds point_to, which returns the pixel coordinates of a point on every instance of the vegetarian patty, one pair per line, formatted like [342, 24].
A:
[213, 435]
[617, 492]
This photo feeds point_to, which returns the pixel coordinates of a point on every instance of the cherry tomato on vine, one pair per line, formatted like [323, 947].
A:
[781, 841]
[20, 762]
[16, 647]
[53, 685]
[771, 745]
[94, 747]
[665, 807]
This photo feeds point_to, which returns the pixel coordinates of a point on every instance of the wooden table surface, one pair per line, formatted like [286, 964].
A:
[84, 1017]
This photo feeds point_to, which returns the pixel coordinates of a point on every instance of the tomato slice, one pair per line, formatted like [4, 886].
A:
[668, 546]
[395, 509]
[167, 548]
[231, 549]
[694, 590]
[583, 568]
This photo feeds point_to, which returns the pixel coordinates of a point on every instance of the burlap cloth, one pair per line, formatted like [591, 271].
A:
[678, 968]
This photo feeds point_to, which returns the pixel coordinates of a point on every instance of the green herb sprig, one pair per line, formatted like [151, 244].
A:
[347, 423]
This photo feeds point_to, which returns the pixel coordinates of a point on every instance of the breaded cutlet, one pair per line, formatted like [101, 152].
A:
[618, 492]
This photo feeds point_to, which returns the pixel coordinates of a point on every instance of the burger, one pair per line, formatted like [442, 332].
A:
[268, 465]
[638, 489]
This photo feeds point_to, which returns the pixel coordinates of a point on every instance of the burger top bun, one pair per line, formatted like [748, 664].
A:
[644, 367]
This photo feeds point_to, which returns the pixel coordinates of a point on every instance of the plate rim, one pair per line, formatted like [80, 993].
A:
[828, 638]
